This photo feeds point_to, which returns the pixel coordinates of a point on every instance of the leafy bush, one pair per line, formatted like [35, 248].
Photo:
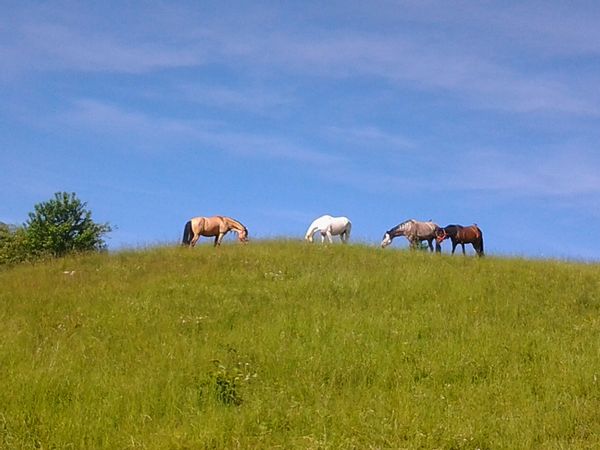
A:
[59, 226]
[63, 225]
[13, 248]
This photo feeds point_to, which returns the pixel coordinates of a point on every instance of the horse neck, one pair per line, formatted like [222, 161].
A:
[321, 223]
[452, 230]
[233, 224]
[395, 232]
[403, 229]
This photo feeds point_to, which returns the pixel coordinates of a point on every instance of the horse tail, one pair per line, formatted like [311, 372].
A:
[480, 242]
[348, 230]
[187, 233]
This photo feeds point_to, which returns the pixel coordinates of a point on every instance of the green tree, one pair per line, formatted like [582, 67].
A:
[12, 244]
[63, 225]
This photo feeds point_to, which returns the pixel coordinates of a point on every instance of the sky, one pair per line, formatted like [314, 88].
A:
[275, 113]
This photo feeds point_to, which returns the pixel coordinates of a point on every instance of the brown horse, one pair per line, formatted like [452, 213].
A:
[217, 226]
[462, 235]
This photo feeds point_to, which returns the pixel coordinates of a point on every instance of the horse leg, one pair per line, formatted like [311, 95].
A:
[463, 247]
[218, 239]
[194, 240]
[438, 247]
[329, 238]
[454, 244]
[430, 242]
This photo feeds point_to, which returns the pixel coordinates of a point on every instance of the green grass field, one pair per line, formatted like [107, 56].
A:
[288, 345]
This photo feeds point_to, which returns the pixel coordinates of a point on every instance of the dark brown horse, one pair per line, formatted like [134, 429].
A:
[462, 235]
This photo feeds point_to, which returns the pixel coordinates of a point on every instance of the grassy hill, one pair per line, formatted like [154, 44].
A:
[287, 345]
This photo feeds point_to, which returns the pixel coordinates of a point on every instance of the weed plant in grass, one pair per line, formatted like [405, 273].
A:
[282, 344]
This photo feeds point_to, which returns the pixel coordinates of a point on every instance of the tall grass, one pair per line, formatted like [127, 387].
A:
[281, 344]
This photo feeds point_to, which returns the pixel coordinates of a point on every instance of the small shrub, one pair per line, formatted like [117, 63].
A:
[224, 383]
[12, 245]
[63, 225]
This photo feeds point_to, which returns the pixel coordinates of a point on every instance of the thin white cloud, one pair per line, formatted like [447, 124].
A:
[58, 47]
[251, 99]
[562, 172]
[115, 121]
[403, 60]
[542, 27]
[372, 136]
[407, 56]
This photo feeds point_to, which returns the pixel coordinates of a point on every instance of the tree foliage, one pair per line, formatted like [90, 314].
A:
[63, 225]
[13, 248]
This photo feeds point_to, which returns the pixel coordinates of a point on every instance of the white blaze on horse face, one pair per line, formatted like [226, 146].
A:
[387, 240]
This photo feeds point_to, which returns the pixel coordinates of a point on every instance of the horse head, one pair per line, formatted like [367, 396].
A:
[440, 235]
[243, 235]
[387, 240]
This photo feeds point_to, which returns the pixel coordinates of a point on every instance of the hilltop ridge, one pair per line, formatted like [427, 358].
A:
[281, 343]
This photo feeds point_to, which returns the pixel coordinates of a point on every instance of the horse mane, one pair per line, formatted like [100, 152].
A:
[400, 226]
[403, 224]
[451, 230]
[237, 223]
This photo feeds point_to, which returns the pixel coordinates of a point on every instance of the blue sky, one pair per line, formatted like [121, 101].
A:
[277, 112]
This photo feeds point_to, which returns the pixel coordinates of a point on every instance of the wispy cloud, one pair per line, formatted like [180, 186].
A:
[251, 99]
[409, 56]
[563, 172]
[371, 136]
[556, 172]
[50, 46]
[405, 60]
[115, 121]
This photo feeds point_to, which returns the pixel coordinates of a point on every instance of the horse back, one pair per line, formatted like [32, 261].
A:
[207, 226]
[339, 224]
[471, 233]
[425, 229]
[452, 231]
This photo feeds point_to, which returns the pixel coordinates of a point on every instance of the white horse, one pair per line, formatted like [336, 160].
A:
[329, 226]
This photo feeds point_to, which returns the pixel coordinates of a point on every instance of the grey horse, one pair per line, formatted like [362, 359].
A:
[415, 232]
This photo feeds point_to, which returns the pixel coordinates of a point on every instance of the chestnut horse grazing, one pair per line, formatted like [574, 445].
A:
[462, 235]
[217, 226]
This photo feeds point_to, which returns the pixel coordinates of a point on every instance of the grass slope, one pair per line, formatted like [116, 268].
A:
[281, 344]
